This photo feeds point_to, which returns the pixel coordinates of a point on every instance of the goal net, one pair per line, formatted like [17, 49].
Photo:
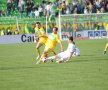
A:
[83, 25]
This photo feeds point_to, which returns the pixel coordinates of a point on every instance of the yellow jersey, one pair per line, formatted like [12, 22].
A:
[41, 32]
[52, 40]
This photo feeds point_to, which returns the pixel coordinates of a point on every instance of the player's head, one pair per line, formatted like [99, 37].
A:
[38, 25]
[70, 39]
[55, 30]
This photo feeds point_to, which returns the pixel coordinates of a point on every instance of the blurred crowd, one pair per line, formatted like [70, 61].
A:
[29, 8]
[9, 32]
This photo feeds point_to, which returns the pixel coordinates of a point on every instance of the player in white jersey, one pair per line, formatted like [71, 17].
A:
[77, 51]
[66, 55]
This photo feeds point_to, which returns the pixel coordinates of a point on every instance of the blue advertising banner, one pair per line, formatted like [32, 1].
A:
[99, 33]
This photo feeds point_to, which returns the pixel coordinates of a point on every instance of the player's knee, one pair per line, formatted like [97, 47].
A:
[37, 47]
[45, 52]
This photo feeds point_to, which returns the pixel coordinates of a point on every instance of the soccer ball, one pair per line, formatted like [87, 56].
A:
[44, 59]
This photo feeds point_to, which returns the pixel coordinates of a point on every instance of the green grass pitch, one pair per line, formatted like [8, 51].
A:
[89, 71]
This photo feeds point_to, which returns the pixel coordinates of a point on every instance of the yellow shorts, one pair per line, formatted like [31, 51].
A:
[48, 49]
[42, 40]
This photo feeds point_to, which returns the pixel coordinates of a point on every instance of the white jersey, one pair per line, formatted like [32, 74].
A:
[64, 55]
[71, 48]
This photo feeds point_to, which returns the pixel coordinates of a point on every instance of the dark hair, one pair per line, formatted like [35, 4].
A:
[37, 22]
[71, 38]
[56, 28]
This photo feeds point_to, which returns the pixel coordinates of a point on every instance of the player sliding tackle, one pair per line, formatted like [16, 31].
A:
[50, 45]
[66, 55]
[77, 51]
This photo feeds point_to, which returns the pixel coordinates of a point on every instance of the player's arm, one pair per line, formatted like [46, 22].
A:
[70, 56]
[61, 45]
[35, 36]
[65, 33]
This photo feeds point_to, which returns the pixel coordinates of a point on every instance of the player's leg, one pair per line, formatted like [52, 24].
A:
[63, 57]
[39, 44]
[37, 50]
[105, 49]
[54, 52]
[58, 56]
[47, 50]
[49, 58]
[45, 54]
[60, 60]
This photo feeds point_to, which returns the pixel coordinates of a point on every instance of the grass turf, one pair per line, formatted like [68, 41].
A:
[18, 70]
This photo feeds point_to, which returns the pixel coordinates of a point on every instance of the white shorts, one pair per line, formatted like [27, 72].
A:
[63, 56]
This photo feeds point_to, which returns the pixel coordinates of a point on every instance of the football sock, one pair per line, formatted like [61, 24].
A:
[38, 51]
[40, 60]
[106, 47]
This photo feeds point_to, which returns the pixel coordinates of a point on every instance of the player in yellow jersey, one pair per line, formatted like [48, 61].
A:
[41, 35]
[106, 47]
[50, 45]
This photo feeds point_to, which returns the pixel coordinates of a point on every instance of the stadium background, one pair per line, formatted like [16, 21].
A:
[18, 70]
[26, 24]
